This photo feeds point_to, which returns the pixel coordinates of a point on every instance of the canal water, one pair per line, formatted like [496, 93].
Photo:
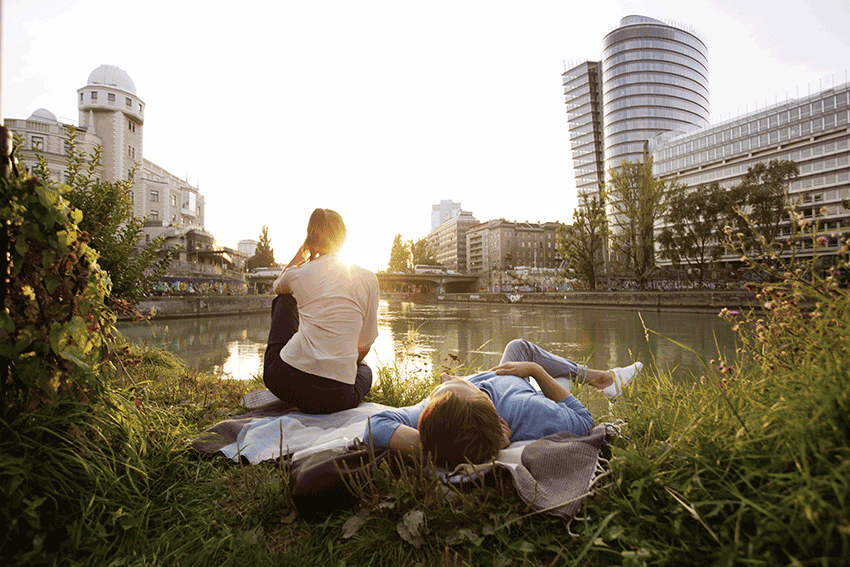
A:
[421, 336]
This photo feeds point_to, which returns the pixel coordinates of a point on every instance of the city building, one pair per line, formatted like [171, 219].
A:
[448, 241]
[652, 78]
[649, 96]
[247, 247]
[444, 211]
[496, 246]
[811, 131]
[111, 115]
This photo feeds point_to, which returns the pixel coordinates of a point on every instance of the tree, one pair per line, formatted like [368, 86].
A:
[581, 243]
[134, 267]
[264, 254]
[759, 203]
[637, 201]
[399, 256]
[420, 252]
[694, 230]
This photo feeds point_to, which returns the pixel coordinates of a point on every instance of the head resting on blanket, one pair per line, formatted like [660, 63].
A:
[460, 424]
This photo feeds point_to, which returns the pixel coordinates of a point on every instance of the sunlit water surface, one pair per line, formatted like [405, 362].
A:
[426, 335]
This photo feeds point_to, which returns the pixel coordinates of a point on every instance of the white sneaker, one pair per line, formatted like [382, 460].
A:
[622, 377]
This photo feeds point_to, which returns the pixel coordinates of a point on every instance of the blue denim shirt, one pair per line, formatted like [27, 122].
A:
[529, 413]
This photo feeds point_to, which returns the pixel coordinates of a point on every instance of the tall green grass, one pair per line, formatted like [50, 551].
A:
[746, 465]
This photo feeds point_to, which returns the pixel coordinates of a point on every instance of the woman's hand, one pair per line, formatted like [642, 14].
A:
[522, 369]
[300, 257]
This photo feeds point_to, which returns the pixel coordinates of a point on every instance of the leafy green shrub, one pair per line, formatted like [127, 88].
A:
[56, 323]
[133, 267]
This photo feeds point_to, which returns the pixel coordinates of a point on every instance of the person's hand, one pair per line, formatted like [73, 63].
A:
[300, 257]
[522, 369]
[506, 433]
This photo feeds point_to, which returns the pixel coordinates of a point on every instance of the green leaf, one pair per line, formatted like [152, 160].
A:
[52, 282]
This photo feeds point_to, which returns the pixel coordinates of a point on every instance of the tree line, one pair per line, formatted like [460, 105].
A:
[406, 254]
[696, 222]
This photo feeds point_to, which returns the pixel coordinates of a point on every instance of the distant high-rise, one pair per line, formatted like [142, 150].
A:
[653, 78]
[446, 210]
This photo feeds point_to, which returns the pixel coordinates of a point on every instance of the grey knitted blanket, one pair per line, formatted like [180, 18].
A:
[552, 475]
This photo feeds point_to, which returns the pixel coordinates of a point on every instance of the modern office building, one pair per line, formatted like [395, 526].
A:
[448, 241]
[247, 247]
[811, 130]
[649, 93]
[652, 78]
[444, 211]
[112, 116]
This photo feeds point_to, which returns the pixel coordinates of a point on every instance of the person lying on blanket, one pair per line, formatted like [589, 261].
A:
[469, 419]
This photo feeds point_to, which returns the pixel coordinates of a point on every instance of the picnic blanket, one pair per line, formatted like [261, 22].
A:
[553, 474]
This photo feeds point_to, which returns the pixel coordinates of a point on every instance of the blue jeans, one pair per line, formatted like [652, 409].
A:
[559, 368]
[308, 392]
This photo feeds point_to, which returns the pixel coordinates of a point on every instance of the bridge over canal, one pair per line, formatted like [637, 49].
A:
[427, 283]
[420, 283]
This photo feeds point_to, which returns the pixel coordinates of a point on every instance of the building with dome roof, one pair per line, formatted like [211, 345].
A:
[112, 116]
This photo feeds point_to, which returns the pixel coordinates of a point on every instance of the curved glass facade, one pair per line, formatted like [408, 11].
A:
[654, 79]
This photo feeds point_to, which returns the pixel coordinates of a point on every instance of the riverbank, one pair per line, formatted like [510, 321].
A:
[672, 301]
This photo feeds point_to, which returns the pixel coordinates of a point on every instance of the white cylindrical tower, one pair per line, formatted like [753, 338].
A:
[654, 80]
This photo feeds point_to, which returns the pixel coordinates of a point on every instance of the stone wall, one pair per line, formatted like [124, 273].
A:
[700, 301]
[199, 306]
[697, 301]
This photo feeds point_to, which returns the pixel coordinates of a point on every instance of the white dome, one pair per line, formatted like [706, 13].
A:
[112, 76]
[43, 115]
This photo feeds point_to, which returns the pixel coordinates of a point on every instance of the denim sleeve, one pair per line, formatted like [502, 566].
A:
[577, 418]
[382, 425]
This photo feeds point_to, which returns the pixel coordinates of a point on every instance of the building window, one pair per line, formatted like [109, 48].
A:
[155, 196]
[94, 95]
[174, 200]
[81, 97]
[173, 218]
[128, 101]
[37, 142]
[132, 198]
[110, 97]
[131, 125]
[155, 215]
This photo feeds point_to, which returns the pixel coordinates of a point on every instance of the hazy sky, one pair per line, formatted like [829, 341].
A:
[379, 109]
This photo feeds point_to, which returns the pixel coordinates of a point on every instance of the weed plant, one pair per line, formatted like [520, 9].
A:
[748, 465]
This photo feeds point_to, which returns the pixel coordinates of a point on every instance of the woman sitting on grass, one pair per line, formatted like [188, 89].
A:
[324, 321]
[469, 419]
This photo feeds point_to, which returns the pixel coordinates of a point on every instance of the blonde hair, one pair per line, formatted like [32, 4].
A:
[325, 232]
[454, 430]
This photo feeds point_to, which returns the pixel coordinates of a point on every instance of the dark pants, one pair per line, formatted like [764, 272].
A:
[310, 393]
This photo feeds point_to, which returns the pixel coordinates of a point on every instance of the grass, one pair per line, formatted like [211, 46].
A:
[748, 465]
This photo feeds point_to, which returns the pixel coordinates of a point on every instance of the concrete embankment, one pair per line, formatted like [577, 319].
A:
[691, 301]
[204, 305]
[694, 301]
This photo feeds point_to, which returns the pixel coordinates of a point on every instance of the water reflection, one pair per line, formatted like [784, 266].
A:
[474, 333]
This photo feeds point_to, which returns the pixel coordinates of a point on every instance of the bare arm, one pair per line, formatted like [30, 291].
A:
[362, 352]
[550, 388]
[299, 257]
[297, 260]
[406, 442]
